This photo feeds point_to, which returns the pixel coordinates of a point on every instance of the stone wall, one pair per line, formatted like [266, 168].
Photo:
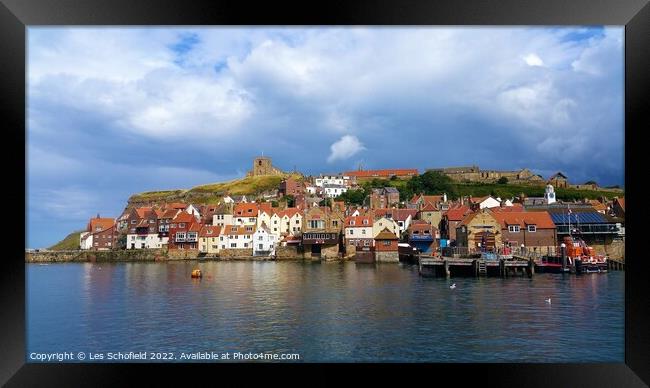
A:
[288, 252]
[239, 252]
[93, 256]
[386, 257]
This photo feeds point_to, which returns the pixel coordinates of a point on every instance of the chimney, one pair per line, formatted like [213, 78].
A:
[97, 215]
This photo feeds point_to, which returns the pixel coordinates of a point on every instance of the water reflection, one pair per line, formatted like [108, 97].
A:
[325, 312]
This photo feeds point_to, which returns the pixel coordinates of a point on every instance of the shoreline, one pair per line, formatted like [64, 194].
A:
[153, 255]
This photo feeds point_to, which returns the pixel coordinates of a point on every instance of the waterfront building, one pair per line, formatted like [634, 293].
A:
[100, 234]
[264, 242]
[422, 236]
[209, 239]
[321, 235]
[184, 232]
[420, 200]
[143, 230]
[358, 231]
[533, 230]
[237, 237]
[386, 246]
[479, 230]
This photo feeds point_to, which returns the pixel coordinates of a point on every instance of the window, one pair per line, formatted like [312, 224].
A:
[351, 231]
[275, 229]
[249, 228]
[245, 245]
[260, 238]
[133, 221]
[298, 221]
[365, 222]
[363, 231]
[152, 221]
[351, 222]
[275, 222]
[251, 219]
[220, 238]
[532, 228]
[366, 243]
[233, 245]
[386, 243]
[181, 225]
[261, 246]
[513, 228]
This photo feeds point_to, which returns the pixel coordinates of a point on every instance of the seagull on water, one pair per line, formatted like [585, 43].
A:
[548, 300]
[453, 286]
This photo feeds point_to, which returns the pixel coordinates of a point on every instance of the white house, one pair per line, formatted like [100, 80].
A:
[236, 237]
[264, 242]
[311, 190]
[228, 199]
[333, 191]
[323, 180]
[86, 240]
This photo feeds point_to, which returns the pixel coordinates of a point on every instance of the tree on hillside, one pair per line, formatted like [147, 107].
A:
[431, 182]
[356, 197]
[502, 181]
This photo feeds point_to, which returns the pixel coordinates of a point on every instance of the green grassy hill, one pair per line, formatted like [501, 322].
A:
[70, 242]
[214, 192]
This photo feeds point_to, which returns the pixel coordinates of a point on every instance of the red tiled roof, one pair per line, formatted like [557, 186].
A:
[621, 203]
[358, 221]
[539, 218]
[458, 213]
[170, 213]
[184, 217]
[103, 223]
[142, 211]
[429, 207]
[246, 209]
[385, 172]
[176, 205]
[232, 230]
[210, 231]
[386, 235]
[397, 214]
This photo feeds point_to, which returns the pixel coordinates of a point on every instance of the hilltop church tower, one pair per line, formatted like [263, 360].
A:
[262, 166]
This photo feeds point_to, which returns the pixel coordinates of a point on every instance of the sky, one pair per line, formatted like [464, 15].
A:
[117, 111]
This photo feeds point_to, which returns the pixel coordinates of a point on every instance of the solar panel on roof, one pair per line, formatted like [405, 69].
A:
[581, 218]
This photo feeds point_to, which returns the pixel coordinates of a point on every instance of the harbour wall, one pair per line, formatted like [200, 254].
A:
[148, 255]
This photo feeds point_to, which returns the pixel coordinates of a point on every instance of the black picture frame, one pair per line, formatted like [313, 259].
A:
[17, 15]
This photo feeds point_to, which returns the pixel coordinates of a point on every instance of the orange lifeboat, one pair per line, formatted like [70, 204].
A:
[197, 273]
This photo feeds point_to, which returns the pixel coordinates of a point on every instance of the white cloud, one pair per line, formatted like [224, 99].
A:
[344, 148]
[533, 60]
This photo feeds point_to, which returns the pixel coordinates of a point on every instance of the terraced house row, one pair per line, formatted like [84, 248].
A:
[425, 222]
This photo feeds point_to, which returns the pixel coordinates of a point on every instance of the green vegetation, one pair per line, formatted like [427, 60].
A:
[431, 183]
[70, 242]
[502, 181]
[155, 195]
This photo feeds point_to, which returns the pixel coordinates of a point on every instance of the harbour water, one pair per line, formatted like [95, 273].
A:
[325, 312]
